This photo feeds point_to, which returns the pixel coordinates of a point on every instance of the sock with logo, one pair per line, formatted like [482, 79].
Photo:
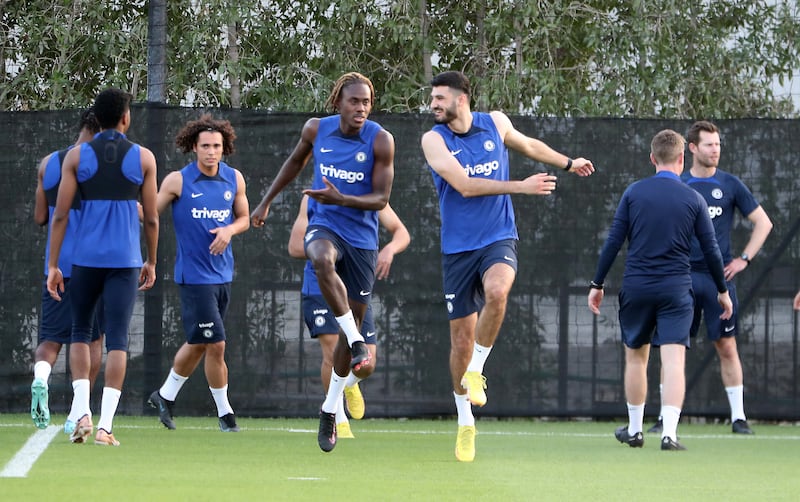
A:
[635, 418]
[464, 408]
[348, 324]
[335, 389]
[736, 400]
[671, 416]
[172, 385]
[352, 379]
[42, 370]
[479, 356]
[108, 408]
[221, 400]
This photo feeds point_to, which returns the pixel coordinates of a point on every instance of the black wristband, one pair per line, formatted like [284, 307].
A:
[594, 285]
[569, 165]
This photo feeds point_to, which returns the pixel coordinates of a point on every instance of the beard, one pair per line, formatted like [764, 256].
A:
[449, 115]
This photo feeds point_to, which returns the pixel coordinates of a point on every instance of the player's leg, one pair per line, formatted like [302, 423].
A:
[462, 341]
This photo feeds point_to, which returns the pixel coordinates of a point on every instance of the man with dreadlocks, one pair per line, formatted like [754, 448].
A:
[209, 206]
[353, 174]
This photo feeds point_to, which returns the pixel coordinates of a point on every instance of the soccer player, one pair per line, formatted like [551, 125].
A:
[659, 216]
[468, 156]
[111, 173]
[353, 174]
[725, 194]
[209, 206]
[322, 324]
[55, 325]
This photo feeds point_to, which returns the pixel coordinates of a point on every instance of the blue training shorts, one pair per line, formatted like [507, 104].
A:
[463, 276]
[320, 320]
[355, 266]
[706, 306]
[203, 308]
[657, 318]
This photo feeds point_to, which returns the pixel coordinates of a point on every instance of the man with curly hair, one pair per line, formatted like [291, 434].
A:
[209, 206]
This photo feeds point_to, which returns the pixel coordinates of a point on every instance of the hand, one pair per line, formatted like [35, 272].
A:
[539, 184]
[734, 267]
[221, 241]
[55, 283]
[328, 195]
[581, 167]
[385, 259]
[595, 299]
[797, 301]
[147, 276]
[725, 302]
[259, 215]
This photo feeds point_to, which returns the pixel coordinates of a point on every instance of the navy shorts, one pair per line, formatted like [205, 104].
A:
[463, 275]
[320, 320]
[203, 308]
[706, 306]
[355, 266]
[112, 289]
[55, 324]
[657, 318]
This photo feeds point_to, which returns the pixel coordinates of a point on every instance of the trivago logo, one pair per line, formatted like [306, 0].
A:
[340, 174]
[485, 169]
[714, 211]
[210, 214]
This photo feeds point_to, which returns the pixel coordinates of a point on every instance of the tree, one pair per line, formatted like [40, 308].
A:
[659, 58]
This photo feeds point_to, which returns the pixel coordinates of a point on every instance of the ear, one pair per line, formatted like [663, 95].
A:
[692, 148]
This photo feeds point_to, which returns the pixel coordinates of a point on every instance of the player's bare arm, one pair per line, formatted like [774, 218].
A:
[149, 194]
[171, 187]
[447, 166]
[400, 241]
[762, 226]
[41, 213]
[58, 225]
[289, 170]
[536, 149]
[241, 222]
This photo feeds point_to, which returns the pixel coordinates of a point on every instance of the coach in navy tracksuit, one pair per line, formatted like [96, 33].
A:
[659, 216]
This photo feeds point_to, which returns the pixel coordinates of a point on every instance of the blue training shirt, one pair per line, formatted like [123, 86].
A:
[51, 179]
[724, 193]
[347, 162]
[659, 216]
[205, 203]
[475, 222]
[109, 180]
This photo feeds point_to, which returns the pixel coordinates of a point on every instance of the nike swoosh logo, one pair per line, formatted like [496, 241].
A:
[363, 293]
[196, 195]
[325, 150]
[728, 329]
[456, 152]
[508, 258]
[369, 334]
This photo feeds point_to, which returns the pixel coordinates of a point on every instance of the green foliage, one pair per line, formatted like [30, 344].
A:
[661, 58]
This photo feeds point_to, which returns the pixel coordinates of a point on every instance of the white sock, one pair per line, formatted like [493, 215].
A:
[660, 397]
[42, 370]
[635, 418]
[464, 408]
[80, 400]
[108, 408]
[221, 399]
[671, 416]
[348, 324]
[335, 389]
[352, 379]
[172, 385]
[341, 416]
[736, 400]
[479, 356]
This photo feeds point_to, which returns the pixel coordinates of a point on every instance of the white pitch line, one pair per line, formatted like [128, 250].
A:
[22, 462]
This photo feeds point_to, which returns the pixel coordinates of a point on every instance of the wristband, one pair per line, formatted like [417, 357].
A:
[569, 164]
[594, 285]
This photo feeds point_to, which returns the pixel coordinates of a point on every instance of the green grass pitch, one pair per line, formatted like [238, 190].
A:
[398, 459]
